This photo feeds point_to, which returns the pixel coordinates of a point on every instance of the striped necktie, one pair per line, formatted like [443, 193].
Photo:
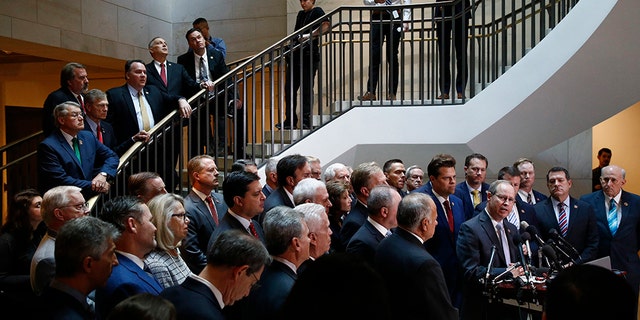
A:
[562, 219]
[612, 217]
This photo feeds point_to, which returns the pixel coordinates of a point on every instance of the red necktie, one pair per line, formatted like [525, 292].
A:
[163, 73]
[447, 208]
[214, 213]
[99, 133]
[253, 230]
[81, 103]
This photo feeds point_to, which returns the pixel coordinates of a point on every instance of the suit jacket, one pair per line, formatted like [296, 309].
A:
[425, 188]
[442, 246]
[53, 99]
[179, 82]
[58, 164]
[582, 231]
[127, 279]
[463, 192]
[539, 196]
[200, 229]
[230, 222]
[414, 279]
[278, 197]
[217, 65]
[623, 247]
[122, 113]
[352, 222]
[193, 300]
[365, 241]
[57, 304]
[275, 284]
[266, 191]
[475, 241]
[108, 136]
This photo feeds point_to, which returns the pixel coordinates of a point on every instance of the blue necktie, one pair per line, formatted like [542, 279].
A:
[612, 217]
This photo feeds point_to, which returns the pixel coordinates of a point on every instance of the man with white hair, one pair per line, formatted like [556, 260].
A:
[313, 191]
[319, 231]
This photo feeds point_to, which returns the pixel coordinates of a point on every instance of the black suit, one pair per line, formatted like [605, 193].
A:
[230, 222]
[414, 278]
[278, 197]
[193, 300]
[179, 82]
[582, 231]
[275, 284]
[365, 241]
[444, 30]
[53, 99]
[624, 245]
[217, 68]
[58, 304]
[108, 137]
[475, 241]
[122, 116]
[352, 222]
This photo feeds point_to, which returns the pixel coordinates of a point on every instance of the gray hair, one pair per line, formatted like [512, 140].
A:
[380, 197]
[281, 224]
[313, 214]
[330, 171]
[62, 110]
[56, 197]
[414, 208]
[162, 208]
[306, 189]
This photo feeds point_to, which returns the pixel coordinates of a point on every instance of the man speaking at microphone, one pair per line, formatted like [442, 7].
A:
[573, 219]
[475, 241]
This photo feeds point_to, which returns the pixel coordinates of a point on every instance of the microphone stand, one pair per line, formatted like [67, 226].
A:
[485, 280]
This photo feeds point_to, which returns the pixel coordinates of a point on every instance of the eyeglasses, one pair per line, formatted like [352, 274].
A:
[182, 216]
[79, 207]
[504, 198]
[255, 285]
[75, 114]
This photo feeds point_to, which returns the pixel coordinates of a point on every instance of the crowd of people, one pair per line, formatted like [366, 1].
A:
[425, 250]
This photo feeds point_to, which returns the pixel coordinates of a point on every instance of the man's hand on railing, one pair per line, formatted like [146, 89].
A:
[304, 37]
[141, 136]
[185, 108]
[207, 85]
[405, 27]
[100, 184]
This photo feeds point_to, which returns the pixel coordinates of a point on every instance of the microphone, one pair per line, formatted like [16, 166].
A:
[507, 273]
[557, 248]
[486, 276]
[556, 236]
[533, 231]
[548, 252]
[517, 240]
[527, 237]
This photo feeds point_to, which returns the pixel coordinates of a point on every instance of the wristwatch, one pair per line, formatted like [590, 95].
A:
[104, 174]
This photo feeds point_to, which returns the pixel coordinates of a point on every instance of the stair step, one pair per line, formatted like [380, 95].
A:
[259, 150]
[318, 120]
[285, 136]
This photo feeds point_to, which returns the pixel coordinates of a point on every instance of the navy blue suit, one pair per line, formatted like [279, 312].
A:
[414, 279]
[127, 279]
[58, 164]
[193, 300]
[266, 301]
[200, 229]
[57, 304]
[475, 241]
[108, 136]
[179, 82]
[463, 192]
[352, 222]
[278, 197]
[582, 231]
[53, 99]
[230, 222]
[365, 241]
[623, 247]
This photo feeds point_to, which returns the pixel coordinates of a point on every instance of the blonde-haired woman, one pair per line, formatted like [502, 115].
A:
[170, 218]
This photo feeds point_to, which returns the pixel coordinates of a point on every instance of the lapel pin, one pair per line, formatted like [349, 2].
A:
[626, 204]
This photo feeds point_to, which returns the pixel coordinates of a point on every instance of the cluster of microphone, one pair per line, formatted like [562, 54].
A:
[557, 252]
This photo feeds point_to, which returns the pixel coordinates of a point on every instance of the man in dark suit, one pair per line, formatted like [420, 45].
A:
[473, 190]
[528, 174]
[73, 82]
[413, 277]
[176, 80]
[620, 238]
[205, 209]
[233, 269]
[478, 236]
[453, 21]
[135, 108]
[364, 178]
[572, 219]
[442, 178]
[290, 169]
[382, 205]
[271, 176]
[206, 66]
[287, 240]
[96, 107]
[89, 168]
[133, 219]
[243, 196]
[604, 158]
[79, 270]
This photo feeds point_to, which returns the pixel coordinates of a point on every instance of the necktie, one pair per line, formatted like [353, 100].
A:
[447, 208]
[99, 133]
[203, 71]
[612, 217]
[504, 242]
[387, 234]
[81, 102]
[476, 197]
[562, 219]
[143, 112]
[163, 73]
[212, 208]
[529, 199]
[252, 228]
[76, 148]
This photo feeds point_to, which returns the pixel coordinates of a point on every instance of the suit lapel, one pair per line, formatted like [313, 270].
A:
[487, 225]
[64, 144]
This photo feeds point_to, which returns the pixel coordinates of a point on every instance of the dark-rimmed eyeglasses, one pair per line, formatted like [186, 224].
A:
[255, 285]
[79, 207]
[182, 216]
